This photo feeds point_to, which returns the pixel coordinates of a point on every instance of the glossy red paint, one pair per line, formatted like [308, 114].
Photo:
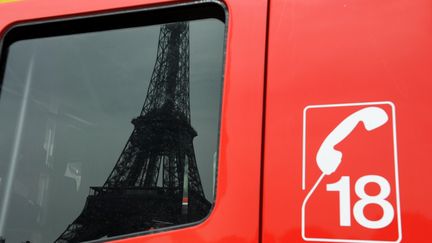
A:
[235, 217]
[330, 52]
[319, 52]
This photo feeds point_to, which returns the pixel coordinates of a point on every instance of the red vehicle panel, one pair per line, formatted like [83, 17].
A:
[337, 53]
[238, 178]
[324, 129]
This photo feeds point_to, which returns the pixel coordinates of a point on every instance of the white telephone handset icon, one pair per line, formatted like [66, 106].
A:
[328, 158]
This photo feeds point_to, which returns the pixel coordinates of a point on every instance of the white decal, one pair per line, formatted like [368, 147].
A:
[342, 188]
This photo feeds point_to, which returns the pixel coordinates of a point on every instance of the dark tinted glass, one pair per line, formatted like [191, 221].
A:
[111, 132]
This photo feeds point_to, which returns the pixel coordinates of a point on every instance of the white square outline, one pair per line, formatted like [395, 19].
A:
[393, 108]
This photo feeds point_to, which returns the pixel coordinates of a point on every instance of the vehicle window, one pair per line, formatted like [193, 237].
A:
[111, 132]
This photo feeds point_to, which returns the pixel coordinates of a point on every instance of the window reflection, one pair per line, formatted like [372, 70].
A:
[65, 115]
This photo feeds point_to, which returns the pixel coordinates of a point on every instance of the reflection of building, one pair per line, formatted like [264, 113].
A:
[148, 187]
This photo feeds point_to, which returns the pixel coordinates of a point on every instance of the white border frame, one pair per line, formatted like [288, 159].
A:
[393, 108]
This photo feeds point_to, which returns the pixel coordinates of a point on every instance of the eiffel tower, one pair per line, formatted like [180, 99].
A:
[155, 182]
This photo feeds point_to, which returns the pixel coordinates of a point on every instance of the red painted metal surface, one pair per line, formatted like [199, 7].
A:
[235, 217]
[332, 52]
[320, 52]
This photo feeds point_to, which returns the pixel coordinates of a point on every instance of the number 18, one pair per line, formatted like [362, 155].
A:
[343, 187]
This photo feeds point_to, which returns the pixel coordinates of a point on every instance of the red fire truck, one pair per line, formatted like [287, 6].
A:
[215, 121]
